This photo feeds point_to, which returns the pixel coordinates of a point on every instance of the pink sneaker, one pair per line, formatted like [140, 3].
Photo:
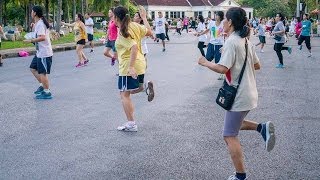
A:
[79, 65]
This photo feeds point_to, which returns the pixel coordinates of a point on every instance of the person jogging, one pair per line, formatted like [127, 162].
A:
[42, 61]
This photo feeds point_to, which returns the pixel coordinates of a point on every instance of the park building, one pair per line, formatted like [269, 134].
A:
[191, 8]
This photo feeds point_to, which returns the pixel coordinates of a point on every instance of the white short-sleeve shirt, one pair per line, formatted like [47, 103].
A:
[44, 48]
[233, 57]
[160, 25]
[88, 22]
[202, 27]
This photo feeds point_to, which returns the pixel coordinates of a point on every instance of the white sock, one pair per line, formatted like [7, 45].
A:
[46, 90]
[41, 84]
[131, 123]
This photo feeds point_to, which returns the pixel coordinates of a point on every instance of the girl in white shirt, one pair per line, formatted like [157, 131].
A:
[202, 39]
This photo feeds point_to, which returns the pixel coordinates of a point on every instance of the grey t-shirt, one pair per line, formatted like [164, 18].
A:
[261, 30]
[233, 57]
[280, 27]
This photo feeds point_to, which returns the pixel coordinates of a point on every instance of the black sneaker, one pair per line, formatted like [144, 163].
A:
[164, 49]
[91, 51]
[268, 135]
[39, 90]
[44, 95]
[1, 64]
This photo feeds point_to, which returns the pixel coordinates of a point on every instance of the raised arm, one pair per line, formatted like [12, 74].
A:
[143, 15]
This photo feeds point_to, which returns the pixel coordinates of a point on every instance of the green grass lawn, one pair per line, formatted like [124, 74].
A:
[69, 38]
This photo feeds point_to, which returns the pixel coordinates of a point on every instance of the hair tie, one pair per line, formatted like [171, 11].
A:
[128, 15]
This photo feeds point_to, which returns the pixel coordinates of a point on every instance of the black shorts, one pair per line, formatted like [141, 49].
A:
[306, 39]
[90, 37]
[262, 39]
[82, 42]
[161, 36]
[111, 44]
[127, 83]
[42, 65]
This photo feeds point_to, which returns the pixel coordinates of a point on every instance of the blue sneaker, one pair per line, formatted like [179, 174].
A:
[44, 95]
[280, 66]
[268, 135]
[289, 50]
[39, 90]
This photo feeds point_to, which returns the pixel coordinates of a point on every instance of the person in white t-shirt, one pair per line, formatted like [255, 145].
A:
[89, 28]
[203, 38]
[160, 23]
[216, 39]
[41, 63]
[238, 51]
[4, 37]
[179, 26]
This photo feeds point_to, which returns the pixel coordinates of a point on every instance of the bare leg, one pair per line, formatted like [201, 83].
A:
[91, 44]
[236, 154]
[36, 75]
[163, 44]
[249, 125]
[141, 88]
[107, 52]
[127, 105]
[79, 53]
[84, 56]
[44, 80]
[262, 45]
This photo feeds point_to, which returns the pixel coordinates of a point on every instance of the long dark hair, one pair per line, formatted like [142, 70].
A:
[282, 18]
[201, 19]
[122, 14]
[239, 21]
[39, 12]
[81, 17]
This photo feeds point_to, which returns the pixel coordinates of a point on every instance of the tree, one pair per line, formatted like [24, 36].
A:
[58, 25]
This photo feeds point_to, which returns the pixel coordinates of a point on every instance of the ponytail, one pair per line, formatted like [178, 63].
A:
[122, 14]
[45, 22]
[239, 21]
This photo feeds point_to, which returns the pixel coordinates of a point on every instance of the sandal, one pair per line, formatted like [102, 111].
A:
[150, 91]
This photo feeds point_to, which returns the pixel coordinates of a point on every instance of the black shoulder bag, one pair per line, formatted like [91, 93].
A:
[228, 93]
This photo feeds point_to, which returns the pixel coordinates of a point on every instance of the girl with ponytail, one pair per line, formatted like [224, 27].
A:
[79, 29]
[239, 53]
[132, 64]
[41, 63]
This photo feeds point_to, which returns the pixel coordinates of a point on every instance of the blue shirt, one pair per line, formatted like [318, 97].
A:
[306, 28]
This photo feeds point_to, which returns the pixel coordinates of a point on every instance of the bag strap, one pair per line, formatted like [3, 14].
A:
[244, 64]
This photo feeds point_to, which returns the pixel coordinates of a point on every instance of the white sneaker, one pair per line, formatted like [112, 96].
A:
[262, 51]
[310, 55]
[233, 177]
[128, 127]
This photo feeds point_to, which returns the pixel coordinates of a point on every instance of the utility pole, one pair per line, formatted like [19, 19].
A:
[298, 9]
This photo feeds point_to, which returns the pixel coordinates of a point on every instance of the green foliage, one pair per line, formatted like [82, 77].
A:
[15, 14]
[268, 8]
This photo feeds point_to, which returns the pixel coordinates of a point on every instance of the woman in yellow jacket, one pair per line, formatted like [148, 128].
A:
[80, 34]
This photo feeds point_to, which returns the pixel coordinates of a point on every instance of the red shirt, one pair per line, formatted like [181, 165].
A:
[112, 31]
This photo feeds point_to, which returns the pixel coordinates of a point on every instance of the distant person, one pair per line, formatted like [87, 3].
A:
[298, 27]
[79, 29]
[306, 33]
[261, 34]
[203, 38]
[112, 34]
[89, 27]
[160, 23]
[4, 37]
[179, 26]
[185, 24]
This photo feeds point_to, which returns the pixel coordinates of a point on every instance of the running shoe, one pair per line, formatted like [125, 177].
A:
[289, 50]
[150, 91]
[164, 49]
[79, 65]
[39, 90]
[91, 51]
[234, 177]
[86, 62]
[128, 127]
[268, 135]
[113, 61]
[44, 95]
[1, 64]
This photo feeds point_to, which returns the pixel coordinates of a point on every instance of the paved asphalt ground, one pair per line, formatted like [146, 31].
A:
[74, 136]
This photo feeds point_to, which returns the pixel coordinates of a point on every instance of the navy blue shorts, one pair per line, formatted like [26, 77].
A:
[213, 52]
[127, 83]
[161, 36]
[111, 44]
[42, 65]
[90, 37]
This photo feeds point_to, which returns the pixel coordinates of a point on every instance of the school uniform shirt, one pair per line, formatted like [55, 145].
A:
[233, 57]
[79, 33]
[88, 22]
[160, 25]
[216, 33]
[123, 45]
[44, 48]
[202, 27]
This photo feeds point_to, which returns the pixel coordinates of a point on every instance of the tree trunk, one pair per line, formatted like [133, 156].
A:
[47, 9]
[58, 25]
[74, 10]
[82, 7]
[1, 12]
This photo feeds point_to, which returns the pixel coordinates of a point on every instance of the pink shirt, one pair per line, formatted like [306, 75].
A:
[112, 31]
[185, 21]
